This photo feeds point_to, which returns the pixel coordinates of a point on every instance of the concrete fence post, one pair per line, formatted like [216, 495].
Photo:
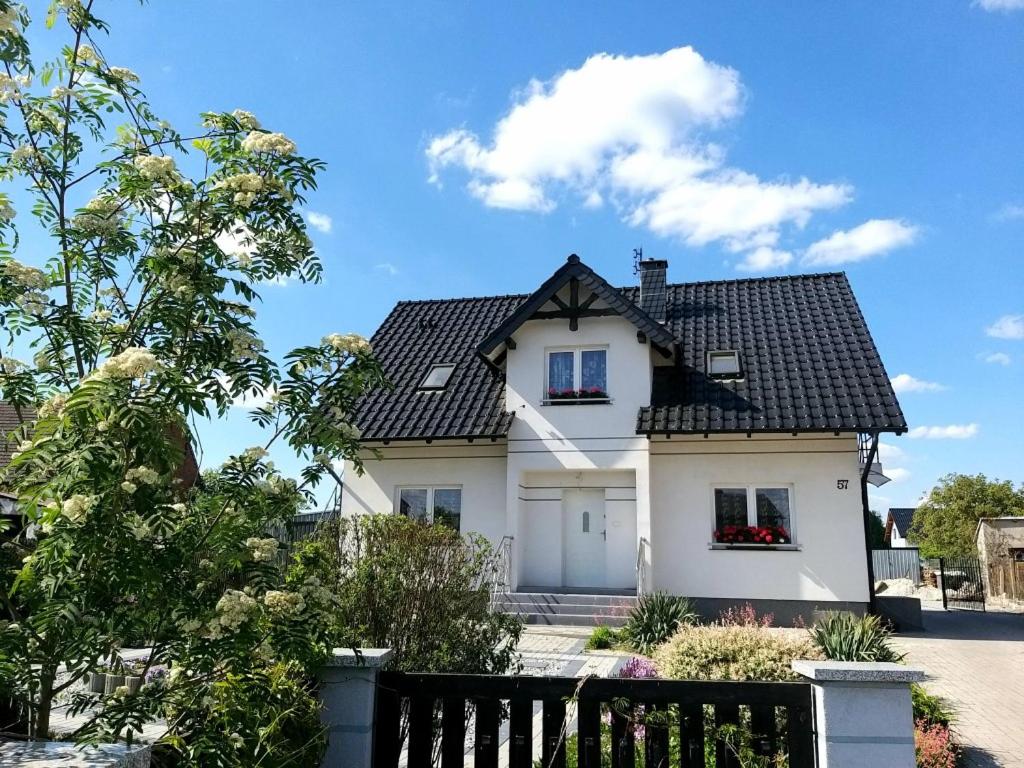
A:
[863, 714]
[348, 699]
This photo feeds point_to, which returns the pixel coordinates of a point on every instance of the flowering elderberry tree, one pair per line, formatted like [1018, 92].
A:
[135, 320]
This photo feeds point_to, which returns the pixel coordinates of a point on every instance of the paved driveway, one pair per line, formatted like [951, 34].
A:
[976, 662]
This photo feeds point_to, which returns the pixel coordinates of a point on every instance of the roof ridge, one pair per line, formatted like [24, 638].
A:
[463, 298]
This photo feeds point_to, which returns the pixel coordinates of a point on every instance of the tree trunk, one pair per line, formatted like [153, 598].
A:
[41, 721]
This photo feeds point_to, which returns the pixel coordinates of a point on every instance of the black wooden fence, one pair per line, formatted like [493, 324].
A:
[430, 714]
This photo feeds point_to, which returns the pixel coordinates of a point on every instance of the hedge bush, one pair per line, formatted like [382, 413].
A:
[732, 653]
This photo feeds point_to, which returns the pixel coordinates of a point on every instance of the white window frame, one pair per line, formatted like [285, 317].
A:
[430, 489]
[751, 489]
[738, 374]
[577, 368]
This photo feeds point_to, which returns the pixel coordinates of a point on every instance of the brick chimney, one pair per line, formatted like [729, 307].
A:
[653, 288]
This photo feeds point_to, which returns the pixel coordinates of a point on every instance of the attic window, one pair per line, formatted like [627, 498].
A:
[724, 364]
[438, 376]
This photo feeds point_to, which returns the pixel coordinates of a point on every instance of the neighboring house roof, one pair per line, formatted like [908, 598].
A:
[10, 421]
[808, 360]
[902, 517]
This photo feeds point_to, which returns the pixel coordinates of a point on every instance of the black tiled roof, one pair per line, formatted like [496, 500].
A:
[420, 334]
[902, 517]
[593, 282]
[808, 360]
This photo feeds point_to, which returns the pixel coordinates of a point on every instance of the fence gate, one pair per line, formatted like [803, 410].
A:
[561, 722]
[962, 584]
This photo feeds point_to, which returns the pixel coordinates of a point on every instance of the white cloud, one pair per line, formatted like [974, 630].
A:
[387, 267]
[951, 432]
[1007, 327]
[896, 474]
[1000, 5]
[872, 238]
[321, 222]
[633, 130]
[888, 452]
[997, 358]
[904, 382]
[764, 259]
[1009, 212]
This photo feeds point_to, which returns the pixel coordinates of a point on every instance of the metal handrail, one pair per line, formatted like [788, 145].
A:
[641, 567]
[501, 570]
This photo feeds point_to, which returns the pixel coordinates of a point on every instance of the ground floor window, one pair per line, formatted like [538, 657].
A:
[432, 504]
[753, 514]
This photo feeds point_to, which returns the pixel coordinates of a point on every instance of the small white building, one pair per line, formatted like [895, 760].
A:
[705, 439]
[897, 526]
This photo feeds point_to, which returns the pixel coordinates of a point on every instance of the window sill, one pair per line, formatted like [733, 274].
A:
[580, 401]
[758, 547]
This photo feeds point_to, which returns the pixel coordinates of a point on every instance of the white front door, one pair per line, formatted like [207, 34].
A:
[583, 531]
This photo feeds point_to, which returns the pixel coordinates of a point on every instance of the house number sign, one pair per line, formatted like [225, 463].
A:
[842, 485]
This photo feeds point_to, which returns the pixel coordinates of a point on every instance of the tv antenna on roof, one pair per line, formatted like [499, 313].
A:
[638, 256]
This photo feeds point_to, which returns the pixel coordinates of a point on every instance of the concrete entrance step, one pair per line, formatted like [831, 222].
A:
[576, 609]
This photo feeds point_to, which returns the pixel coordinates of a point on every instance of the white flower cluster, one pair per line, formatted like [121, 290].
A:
[10, 365]
[27, 277]
[244, 346]
[7, 212]
[261, 550]
[255, 453]
[233, 610]
[346, 342]
[24, 156]
[33, 302]
[124, 74]
[10, 87]
[133, 363]
[246, 187]
[74, 10]
[101, 315]
[9, 22]
[349, 431]
[42, 120]
[63, 92]
[100, 217]
[246, 119]
[54, 406]
[281, 603]
[156, 168]
[272, 143]
[86, 55]
[144, 475]
[77, 507]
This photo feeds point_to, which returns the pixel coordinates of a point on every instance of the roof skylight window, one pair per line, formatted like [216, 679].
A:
[724, 364]
[438, 376]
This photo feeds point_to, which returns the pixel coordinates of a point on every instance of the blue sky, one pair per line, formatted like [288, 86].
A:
[471, 147]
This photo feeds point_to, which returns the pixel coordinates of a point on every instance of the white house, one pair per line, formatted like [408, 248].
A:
[897, 526]
[706, 439]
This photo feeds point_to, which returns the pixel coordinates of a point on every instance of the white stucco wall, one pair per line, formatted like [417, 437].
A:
[827, 522]
[478, 468]
[896, 541]
[564, 443]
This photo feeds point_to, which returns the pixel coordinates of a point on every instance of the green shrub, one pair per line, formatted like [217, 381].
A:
[732, 653]
[930, 709]
[845, 637]
[602, 638]
[654, 619]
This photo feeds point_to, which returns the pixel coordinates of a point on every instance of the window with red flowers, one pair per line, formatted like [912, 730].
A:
[753, 515]
[576, 375]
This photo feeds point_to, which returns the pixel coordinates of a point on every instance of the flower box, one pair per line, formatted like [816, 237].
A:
[576, 395]
[763, 535]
